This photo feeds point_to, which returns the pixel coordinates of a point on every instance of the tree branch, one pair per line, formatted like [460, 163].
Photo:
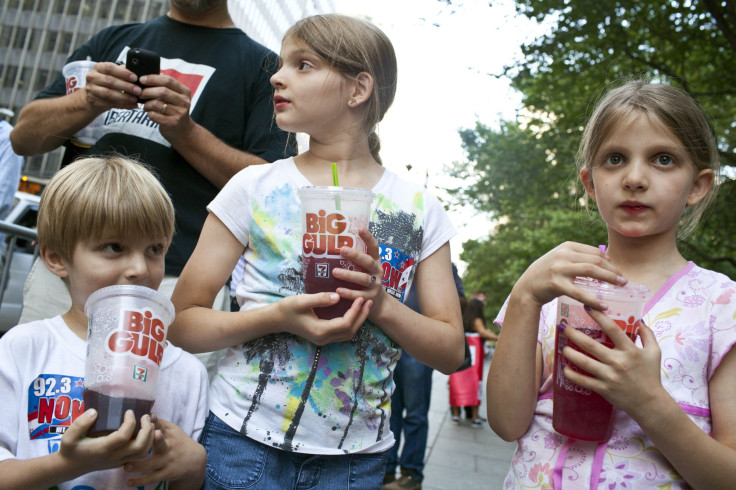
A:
[724, 14]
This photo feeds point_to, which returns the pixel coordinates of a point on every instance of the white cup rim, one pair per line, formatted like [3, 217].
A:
[72, 64]
[131, 290]
[327, 191]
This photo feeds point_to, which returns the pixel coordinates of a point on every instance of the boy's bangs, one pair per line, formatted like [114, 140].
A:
[128, 216]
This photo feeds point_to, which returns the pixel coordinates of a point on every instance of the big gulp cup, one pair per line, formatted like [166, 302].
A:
[331, 218]
[578, 412]
[75, 74]
[125, 345]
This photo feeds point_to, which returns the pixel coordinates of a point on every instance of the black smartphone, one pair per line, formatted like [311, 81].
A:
[143, 62]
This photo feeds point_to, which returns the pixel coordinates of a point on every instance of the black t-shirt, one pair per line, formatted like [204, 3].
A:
[228, 74]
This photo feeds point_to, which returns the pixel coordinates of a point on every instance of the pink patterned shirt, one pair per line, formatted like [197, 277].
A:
[694, 319]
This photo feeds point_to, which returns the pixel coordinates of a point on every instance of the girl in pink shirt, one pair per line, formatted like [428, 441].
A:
[648, 158]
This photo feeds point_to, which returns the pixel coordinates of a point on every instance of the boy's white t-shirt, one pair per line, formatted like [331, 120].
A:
[41, 384]
[282, 390]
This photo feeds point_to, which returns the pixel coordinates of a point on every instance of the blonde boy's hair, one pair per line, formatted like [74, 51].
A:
[99, 196]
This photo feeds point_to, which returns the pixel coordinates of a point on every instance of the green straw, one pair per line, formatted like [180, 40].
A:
[334, 182]
[334, 174]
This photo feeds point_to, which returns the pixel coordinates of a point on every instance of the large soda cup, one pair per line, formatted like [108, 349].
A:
[75, 74]
[125, 345]
[331, 218]
[578, 412]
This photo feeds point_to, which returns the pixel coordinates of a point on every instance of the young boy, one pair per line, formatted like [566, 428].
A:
[101, 222]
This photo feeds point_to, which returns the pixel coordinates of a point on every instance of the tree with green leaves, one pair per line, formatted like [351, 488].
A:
[511, 175]
[594, 43]
[522, 174]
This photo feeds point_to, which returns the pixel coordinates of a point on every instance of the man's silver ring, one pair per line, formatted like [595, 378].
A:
[373, 280]
[163, 109]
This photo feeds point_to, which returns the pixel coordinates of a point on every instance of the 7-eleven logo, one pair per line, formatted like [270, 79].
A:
[140, 373]
[322, 270]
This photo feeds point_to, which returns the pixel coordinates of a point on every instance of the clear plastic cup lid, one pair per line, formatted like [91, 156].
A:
[331, 191]
[630, 290]
[130, 290]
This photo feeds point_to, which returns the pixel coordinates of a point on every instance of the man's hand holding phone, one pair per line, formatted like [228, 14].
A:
[110, 86]
[142, 62]
[166, 100]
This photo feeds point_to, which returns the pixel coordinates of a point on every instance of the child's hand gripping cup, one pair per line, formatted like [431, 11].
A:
[125, 345]
[577, 412]
[331, 218]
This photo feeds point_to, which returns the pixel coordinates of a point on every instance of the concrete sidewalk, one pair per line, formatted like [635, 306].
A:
[462, 456]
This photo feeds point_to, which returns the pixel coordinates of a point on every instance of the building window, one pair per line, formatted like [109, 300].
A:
[20, 38]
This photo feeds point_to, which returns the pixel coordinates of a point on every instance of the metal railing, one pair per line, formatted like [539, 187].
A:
[12, 234]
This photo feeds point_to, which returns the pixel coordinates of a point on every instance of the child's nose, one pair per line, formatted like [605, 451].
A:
[276, 79]
[635, 175]
[137, 265]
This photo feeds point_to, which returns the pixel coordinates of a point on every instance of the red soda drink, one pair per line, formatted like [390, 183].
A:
[331, 218]
[111, 411]
[578, 412]
[126, 338]
[314, 269]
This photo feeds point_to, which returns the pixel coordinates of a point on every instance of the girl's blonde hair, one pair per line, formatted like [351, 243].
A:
[671, 107]
[351, 46]
[99, 196]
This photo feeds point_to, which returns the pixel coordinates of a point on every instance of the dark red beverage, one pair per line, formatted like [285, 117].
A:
[318, 278]
[580, 413]
[111, 410]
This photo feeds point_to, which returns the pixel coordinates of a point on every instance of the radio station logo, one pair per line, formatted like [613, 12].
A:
[54, 402]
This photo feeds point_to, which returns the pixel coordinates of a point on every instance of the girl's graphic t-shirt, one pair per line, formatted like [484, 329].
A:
[280, 389]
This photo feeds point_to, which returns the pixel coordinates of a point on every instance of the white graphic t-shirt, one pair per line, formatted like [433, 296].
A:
[280, 389]
[41, 385]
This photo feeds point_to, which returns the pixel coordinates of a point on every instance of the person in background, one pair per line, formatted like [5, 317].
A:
[649, 159]
[410, 411]
[488, 346]
[11, 166]
[207, 115]
[462, 383]
[479, 295]
[299, 401]
[101, 222]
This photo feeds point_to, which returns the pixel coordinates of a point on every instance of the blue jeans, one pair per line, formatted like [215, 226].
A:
[237, 462]
[413, 392]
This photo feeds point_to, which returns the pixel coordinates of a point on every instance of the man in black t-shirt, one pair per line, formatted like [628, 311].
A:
[207, 115]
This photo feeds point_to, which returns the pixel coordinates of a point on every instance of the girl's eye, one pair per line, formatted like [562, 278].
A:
[614, 159]
[303, 65]
[664, 160]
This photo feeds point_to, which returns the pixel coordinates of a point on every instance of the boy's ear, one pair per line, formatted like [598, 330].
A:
[586, 177]
[362, 89]
[54, 262]
[701, 185]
